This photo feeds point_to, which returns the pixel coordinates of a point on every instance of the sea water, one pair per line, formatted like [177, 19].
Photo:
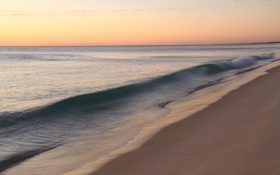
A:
[67, 106]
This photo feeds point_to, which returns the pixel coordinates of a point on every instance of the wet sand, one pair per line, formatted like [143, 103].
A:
[238, 135]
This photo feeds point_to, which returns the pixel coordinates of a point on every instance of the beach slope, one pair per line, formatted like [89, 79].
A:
[238, 135]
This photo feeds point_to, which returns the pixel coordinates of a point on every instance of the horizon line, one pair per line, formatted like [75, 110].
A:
[139, 45]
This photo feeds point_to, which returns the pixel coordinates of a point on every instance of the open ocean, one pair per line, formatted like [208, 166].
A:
[80, 103]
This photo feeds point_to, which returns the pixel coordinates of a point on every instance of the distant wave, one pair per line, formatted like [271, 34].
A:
[249, 61]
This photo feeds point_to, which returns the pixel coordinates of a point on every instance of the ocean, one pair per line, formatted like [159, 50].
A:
[64, 107]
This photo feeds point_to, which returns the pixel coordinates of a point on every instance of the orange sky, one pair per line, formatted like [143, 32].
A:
[107, 22]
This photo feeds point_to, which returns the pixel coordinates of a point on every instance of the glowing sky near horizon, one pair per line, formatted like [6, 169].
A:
[86, 22]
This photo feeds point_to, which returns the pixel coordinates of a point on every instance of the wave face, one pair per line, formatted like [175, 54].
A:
[24, 134]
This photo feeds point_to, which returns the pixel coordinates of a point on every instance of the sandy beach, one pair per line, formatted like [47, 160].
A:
[236, 135]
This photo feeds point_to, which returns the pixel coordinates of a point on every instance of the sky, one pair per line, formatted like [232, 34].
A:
[137, 22]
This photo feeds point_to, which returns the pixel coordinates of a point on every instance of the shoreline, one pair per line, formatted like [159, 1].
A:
[252, 78]
[176, 111]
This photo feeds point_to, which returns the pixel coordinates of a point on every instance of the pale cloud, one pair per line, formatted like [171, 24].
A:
[19, 13]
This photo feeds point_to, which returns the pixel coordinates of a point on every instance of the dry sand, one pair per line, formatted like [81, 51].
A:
[238, 135]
